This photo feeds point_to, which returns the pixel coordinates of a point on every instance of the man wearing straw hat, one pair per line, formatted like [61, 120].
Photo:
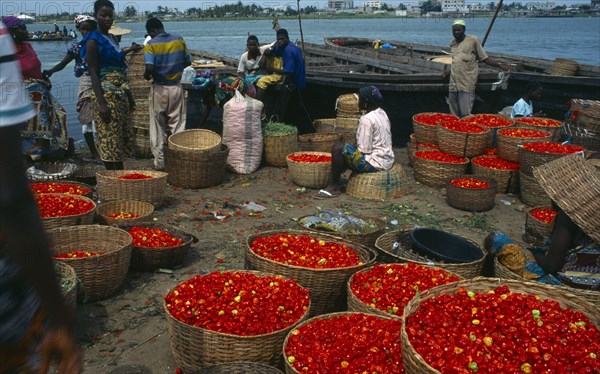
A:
[571, 255]
[467, 52]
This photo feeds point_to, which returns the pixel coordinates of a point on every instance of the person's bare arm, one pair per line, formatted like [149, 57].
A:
[562, 240]
[491, 62]
[58, 67]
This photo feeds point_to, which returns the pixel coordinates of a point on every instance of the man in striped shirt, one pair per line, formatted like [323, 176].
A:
[166, 55]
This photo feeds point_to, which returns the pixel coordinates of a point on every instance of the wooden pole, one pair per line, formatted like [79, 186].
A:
[300, 25]
[492, 23]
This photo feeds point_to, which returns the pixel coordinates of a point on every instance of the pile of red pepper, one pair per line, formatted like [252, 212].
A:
[463, 127]
[495, 163]
[426, 145]
[153, 238]
[390, 287]
[54, 187]
[349, 343]
[310, 158]
[123, 215]
[552, 147]
[491, 151]
[470, 183]
[62, 205]
[433, 119]
[545, 215]
[523, 133]
[238, 303]
[135, 176]
[537, 121]
[488, 120]
[503, 332]
[439, 156]
[305, 251]
[78, 254]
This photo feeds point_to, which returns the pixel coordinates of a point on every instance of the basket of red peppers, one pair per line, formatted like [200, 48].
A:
[432, 167]
[500, 326]
[534, 154]
[310, 169]
[68, 187]
[61, 209]
[510, 139]
[538, 224]
[124, 212]
[142, 185]
[505, 173]
[425, 126]
[225, 316]
[472, 193]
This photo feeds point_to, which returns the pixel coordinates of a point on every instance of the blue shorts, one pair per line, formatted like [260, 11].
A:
[355, 160]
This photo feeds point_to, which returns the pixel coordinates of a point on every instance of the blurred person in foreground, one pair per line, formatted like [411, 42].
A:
[35, 323]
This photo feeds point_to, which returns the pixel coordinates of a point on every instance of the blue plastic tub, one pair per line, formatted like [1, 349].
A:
[443, 246]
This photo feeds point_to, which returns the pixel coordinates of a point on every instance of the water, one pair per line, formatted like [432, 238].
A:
[549, 38]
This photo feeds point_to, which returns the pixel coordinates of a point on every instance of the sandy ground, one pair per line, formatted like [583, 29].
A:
[127, 332]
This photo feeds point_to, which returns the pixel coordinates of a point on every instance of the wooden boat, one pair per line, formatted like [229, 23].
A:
[52, 38]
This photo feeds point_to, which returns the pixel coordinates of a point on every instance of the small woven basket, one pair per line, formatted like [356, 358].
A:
[100, 275]
[347, 127]
[83, 186]
[347, 105]
[319, 141]
[327, 286]
[434, 173]
[196, 169]
[310, 174]
[414, 363]
[368, 239]
[240, 368]
[151, 190]
[378, 185]
[385, 242]
[531, 159]
[51, 171]
[536, 231]
[471, 199]
[141, 144]
[197, 347]
[463, 144]
[564, 67]
[195, 140]
[151, 258]
[141, 208]
[86, 218]
[66, 276]
[277, 147]
[553, 126]
[507, 180]
[532, 193]
[325, 125]
[508, 146]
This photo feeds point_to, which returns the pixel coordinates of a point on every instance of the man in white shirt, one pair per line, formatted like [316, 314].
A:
[524, 106]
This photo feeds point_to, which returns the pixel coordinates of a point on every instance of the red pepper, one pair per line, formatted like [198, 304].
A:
[58, 187]
[123, 215]
[523, 133]
[310, 158]
[536, 121]
[552, 147]
[62, 205]
[488, 120]
[78, 254]
[492, 162]
[433, 119]
[463, 127]
[153, 238]
[135, 176]
[439, 156]
[545, 215]
[470, 183]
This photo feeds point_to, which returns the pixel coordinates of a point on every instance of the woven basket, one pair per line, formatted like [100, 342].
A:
[319, 141]
[384, 246]
[81, 185]
[508, 146]
[532, 192]
[140, 120]
[195, 140]
[412, 147]
[327, 286]
[151, 190]
[553, 130]
[151, 258]
[471, 199]
[378, 185]
[434, 173]
[426, 133]
[347, 105]
[593, 297]
[477, 119]
[535, 230]
[140, 92]
[141, 145]
[530, 159]
[325, 125]
[463, 144]
[277, 147]
[86, 218]
[196, 169]
[196, 347]
[51, 171]
[347, 126]
[368, 240]
[563, 66]
[310, 174]
[414, 363]
[508, 180]
[143, 209]
[66, 274]
[100, 275]
[240, 368]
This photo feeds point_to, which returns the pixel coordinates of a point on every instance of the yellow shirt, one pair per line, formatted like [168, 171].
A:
[466, 56]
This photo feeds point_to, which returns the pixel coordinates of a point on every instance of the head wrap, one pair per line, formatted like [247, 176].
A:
[83, 18]
[372, 94]
[11, 22]
[459, 22]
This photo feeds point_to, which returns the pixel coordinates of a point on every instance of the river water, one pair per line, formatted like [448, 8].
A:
[549, 38]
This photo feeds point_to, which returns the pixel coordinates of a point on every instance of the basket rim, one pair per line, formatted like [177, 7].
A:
[94, 205]
[466, 159]
[107, 174]
[81, 227]
[489, 180]
[376, 220]
[431, 114]
[485, 128]
[524, 138]
[187, 237]
[491, 168]
[480, 115]
[555, 121]
[318, 153]
[197, 131]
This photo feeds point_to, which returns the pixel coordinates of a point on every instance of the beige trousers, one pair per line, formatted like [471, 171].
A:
[461, 103]
[167, 116]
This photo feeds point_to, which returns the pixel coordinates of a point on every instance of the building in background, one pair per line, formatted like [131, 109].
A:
[340, 4]
[454, 6]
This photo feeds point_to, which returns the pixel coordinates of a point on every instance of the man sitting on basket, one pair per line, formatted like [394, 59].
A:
[373, 151]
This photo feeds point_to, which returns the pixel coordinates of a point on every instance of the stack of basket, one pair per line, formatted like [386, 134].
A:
[586, 131]
[140, 118]
[347, 115]
[565, 67]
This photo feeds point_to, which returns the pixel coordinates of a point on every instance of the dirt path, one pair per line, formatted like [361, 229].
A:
[127, 332]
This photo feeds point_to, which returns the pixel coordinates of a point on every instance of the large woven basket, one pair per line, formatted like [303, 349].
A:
[66, 276]
[536, 231]
[141, 144]
[196, 169]
[82, 186]
[195, 140]
[310, 174]
[434, 173]
[552, 126]
[379, 185]
[327, 286]
[85, 218]
[141, 208]
[531, 159]
[368, 239]
[414, 363]
[197, 347]
[508, 180]
[277, 147]
[532, 192]
[51, 171]
[471, 199]
[319, 141]
[151, 190]
[151, 258]
[385, 242]
[241, 368]
[100, 275]
[324, 125]
[427, 133]
[347, 127]
[463, 144]
[508, 146]
[494, 122]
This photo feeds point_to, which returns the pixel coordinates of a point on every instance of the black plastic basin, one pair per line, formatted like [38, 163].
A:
[443, 246]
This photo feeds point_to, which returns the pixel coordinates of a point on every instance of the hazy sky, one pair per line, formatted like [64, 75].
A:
[53, 7]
